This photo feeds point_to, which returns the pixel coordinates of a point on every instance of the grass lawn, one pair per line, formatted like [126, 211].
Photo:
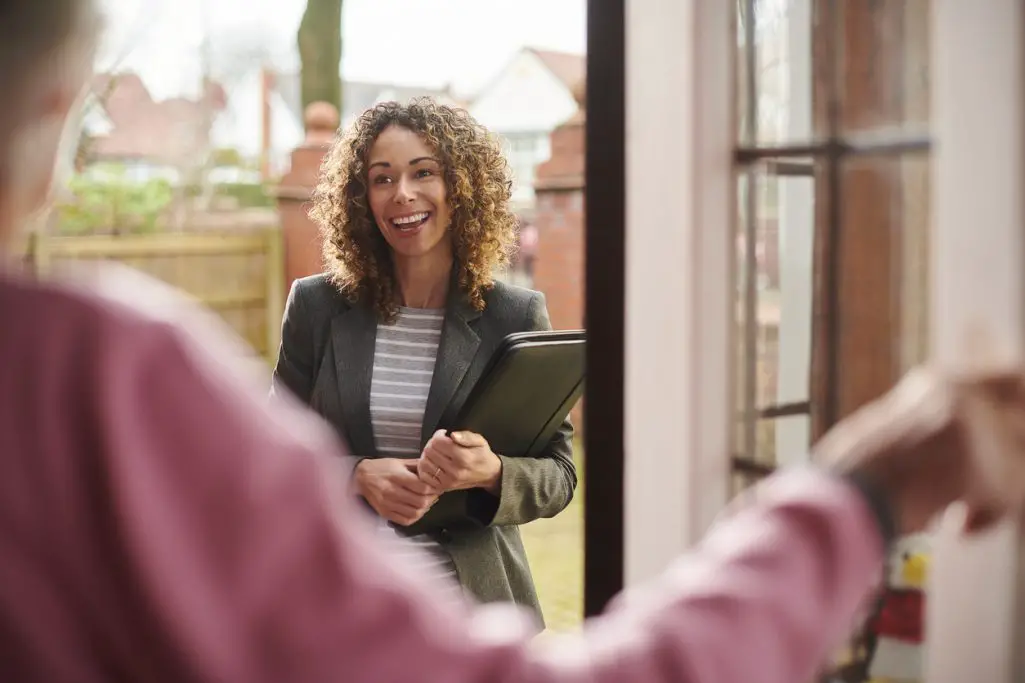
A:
[555, 549]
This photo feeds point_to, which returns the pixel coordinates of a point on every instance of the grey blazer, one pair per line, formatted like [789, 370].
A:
[326, 360]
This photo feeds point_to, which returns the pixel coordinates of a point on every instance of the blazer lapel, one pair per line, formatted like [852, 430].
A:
[353, 334]
[459, 342]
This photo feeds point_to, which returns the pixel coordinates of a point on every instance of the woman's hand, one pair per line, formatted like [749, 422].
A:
[462, 461]
[394, 490]
[936, 439]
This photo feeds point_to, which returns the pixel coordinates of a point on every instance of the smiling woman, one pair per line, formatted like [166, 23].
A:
[386, 345]
[397, 160]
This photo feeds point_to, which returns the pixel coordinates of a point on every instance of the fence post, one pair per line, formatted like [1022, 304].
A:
[38, 256]
[275, 290]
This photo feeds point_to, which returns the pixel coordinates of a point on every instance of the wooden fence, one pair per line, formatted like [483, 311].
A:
[238, 275]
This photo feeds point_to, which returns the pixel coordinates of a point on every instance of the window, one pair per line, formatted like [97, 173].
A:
[833, 224]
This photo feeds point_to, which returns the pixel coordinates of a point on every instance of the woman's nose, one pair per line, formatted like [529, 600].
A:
[403, 192]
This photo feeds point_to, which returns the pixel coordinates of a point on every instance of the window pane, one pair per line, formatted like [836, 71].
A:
[884, 64]
[781, 442]
[774, 71]
[794, 55]
[881, 276]
[775, 247]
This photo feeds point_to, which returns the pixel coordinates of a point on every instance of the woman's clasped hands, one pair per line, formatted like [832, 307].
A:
[402, 491]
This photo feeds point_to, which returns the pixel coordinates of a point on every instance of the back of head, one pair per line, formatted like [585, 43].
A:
[45, 57]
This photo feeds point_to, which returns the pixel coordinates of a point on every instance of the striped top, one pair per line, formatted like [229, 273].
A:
[404, 358]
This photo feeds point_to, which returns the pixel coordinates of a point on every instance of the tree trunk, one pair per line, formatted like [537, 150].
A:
[320, 50]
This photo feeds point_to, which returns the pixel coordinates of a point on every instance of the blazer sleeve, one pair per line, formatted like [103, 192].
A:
[536, 487]
[294, 368]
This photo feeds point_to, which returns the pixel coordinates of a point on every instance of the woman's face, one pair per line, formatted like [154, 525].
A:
[407, 194]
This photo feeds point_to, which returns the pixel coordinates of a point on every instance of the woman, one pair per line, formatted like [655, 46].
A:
[413, 204]
[160, 522]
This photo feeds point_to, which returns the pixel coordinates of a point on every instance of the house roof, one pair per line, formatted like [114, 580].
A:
[357, 96]
[144, 128]
[568, 67]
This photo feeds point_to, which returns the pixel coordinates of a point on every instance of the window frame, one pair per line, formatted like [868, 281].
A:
[823, 159]
[604, 302]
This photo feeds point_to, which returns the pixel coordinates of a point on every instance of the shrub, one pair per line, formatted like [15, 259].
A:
[112, 204]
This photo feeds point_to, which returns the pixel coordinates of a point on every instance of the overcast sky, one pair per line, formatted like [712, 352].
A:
[429, 42]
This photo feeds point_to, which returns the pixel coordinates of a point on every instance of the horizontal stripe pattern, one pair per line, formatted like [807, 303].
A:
[405, 353]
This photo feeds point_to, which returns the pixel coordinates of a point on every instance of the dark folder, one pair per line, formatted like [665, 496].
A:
[529, 386]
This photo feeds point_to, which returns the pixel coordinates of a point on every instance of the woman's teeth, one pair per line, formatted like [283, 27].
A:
[410, 222]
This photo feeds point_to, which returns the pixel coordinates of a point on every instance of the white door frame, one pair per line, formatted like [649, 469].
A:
[679, 305]
[975, 606]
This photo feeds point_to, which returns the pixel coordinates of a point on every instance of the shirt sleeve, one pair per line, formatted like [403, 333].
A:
[248, 561]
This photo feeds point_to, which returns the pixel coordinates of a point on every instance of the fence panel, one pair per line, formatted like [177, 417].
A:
[238, 275]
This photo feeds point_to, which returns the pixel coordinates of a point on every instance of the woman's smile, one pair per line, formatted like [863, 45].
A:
[410, 224]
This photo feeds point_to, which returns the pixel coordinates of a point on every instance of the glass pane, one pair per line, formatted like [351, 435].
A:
[783, 441]
[882, 274]
[774, 71]
[884, 64]
[795, 56]
[773, 305]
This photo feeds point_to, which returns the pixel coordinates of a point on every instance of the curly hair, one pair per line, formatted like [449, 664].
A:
[478, 187]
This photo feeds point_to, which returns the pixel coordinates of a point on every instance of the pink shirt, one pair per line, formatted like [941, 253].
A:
[159, 521]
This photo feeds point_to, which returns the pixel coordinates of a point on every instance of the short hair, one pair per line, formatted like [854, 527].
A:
[35, 37]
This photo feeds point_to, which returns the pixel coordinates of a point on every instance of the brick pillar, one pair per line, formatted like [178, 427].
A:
[559, 267]
[302, 237]
[559, 261]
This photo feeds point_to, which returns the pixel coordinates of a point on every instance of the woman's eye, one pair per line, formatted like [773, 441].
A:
[381, 180]
[424, 173]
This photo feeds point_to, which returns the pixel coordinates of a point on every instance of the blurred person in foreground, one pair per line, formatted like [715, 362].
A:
[160, 522]
[386, 345]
